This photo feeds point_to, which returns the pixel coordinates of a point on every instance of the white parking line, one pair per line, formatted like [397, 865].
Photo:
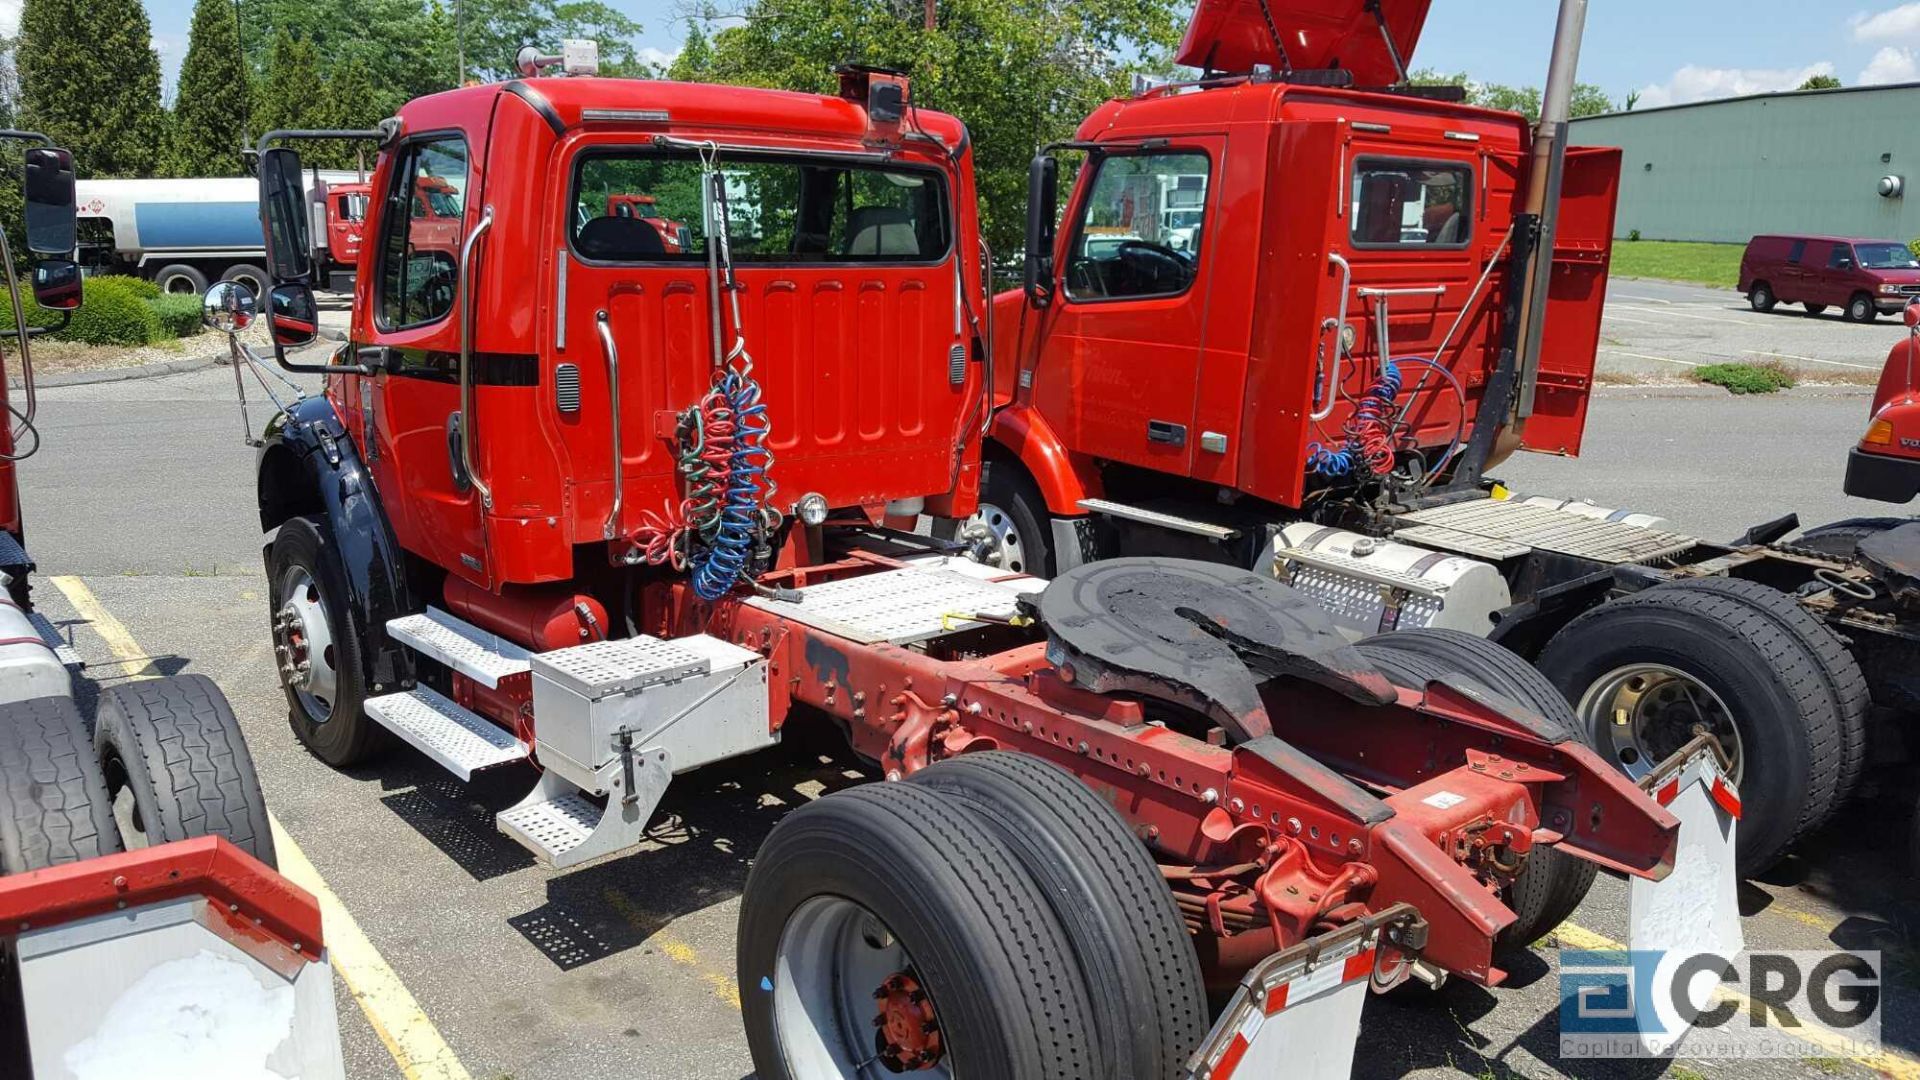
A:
[1648, 299]
[1647, 356]
[1611, 317]
[1684, 315]
[1817, 360]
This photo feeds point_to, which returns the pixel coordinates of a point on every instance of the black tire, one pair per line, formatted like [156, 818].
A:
[253, 277]
[1149, 1001]
[1860, 309]
[1845, 681]
[1840, 538]
[53, 803]
[1552, 884]
[345, 735]
[1009, 997]
[181, 278]
[1006, 488]
[1770, 681]
[175, 745]
[1816, 309]
[1761, 297]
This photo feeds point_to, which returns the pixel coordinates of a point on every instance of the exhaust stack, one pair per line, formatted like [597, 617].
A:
[1543, 194]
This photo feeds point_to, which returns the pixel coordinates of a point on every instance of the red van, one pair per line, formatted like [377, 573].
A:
[1862, 277]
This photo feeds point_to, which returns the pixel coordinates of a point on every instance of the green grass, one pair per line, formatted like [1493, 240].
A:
[1704, 264]
[1743, 378]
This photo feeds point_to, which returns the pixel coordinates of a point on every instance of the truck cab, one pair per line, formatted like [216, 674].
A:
[1240, 258]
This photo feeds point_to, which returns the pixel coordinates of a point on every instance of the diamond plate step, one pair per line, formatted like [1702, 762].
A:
[11, 553]
[1550, 530]
[63, 651]
[484, 657]
[898, 606]
[461, 741]
[551, 829]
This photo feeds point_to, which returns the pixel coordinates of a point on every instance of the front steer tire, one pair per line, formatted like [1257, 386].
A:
[1149, 1001]
[1769, 680]
[54, 807]
[1553, 883]
[176, 747]
[345, 735]
[1000, 973]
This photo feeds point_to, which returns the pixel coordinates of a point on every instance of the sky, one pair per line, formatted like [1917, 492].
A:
[1670, 51]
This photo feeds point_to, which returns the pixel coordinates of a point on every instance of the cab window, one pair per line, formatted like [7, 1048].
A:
[421, 229]
[1140, 229]
[645, 206]
[1411, 204]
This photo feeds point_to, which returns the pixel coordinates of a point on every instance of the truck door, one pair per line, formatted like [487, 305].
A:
[1120, 361]
[423, 208]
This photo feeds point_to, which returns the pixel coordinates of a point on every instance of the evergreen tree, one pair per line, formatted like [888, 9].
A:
[695, 59]
[352, 105]
[210, 109]
[90, 79]
[292, 95]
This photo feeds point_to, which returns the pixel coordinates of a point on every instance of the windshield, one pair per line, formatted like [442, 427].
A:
[1886, 257]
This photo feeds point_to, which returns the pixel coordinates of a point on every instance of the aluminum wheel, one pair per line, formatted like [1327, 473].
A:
[303, 644]
[1642, 713]
[995, 540]
[847, 1000]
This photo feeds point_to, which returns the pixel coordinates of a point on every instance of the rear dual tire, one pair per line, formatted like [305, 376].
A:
[1040, 931]
[1552, 883]
[1740, 659]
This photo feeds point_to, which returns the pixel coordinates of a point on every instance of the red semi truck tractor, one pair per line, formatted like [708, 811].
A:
[596, 512]
[1387, 293]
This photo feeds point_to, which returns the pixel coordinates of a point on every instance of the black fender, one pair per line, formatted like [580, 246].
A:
[309, 466]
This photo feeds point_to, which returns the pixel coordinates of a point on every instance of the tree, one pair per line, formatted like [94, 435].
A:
[211, 106]
[1019, 74]
[1820, 82]
[695, 60]
[405, 45]
[292, 94]
[90, 79]
[1587, 100]
[495, 30]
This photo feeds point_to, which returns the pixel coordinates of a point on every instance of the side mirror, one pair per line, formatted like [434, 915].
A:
[56, 284]
[292, 314]
[228, 307]
[1043, 197]
[283, 208]
[49, 188]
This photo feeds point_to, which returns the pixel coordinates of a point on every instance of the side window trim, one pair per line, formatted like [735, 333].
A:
[1466, 212]
[1077, 235]
[406, 158]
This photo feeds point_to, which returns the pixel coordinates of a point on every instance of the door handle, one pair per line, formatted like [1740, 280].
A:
[1167, 432]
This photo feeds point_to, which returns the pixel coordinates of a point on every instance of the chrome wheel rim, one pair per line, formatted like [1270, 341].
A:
[303, 644]
[1641, 713]
[178, 285]
[995, 540]
[844, 998]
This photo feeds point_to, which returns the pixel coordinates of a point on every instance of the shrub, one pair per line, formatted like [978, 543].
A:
[179, 315]
[1743, 378]
[1913, 245]
[140, 287]
[1634, 234]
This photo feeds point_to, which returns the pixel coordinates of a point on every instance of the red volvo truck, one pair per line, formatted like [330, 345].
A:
[1387, 292]
[580, 506]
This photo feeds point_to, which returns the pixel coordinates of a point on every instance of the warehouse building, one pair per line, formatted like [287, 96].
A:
[1842, 162]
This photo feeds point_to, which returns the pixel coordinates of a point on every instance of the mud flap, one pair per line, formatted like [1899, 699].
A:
[1296, 1014]
[1694, 910]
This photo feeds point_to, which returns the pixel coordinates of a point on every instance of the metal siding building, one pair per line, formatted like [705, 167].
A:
[1798, 162]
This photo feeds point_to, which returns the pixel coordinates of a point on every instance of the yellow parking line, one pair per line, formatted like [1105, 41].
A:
[134, 663]
[416, 1045]
[396, 1017]
[720, 985]
[1892, 1065]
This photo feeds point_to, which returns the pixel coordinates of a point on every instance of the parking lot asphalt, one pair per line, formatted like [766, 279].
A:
[1660, 330]
[624, 968]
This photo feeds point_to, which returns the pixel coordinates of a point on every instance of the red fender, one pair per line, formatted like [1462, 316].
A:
[1064, 478]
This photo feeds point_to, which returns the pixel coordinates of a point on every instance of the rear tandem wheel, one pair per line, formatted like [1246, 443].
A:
[885, 930]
